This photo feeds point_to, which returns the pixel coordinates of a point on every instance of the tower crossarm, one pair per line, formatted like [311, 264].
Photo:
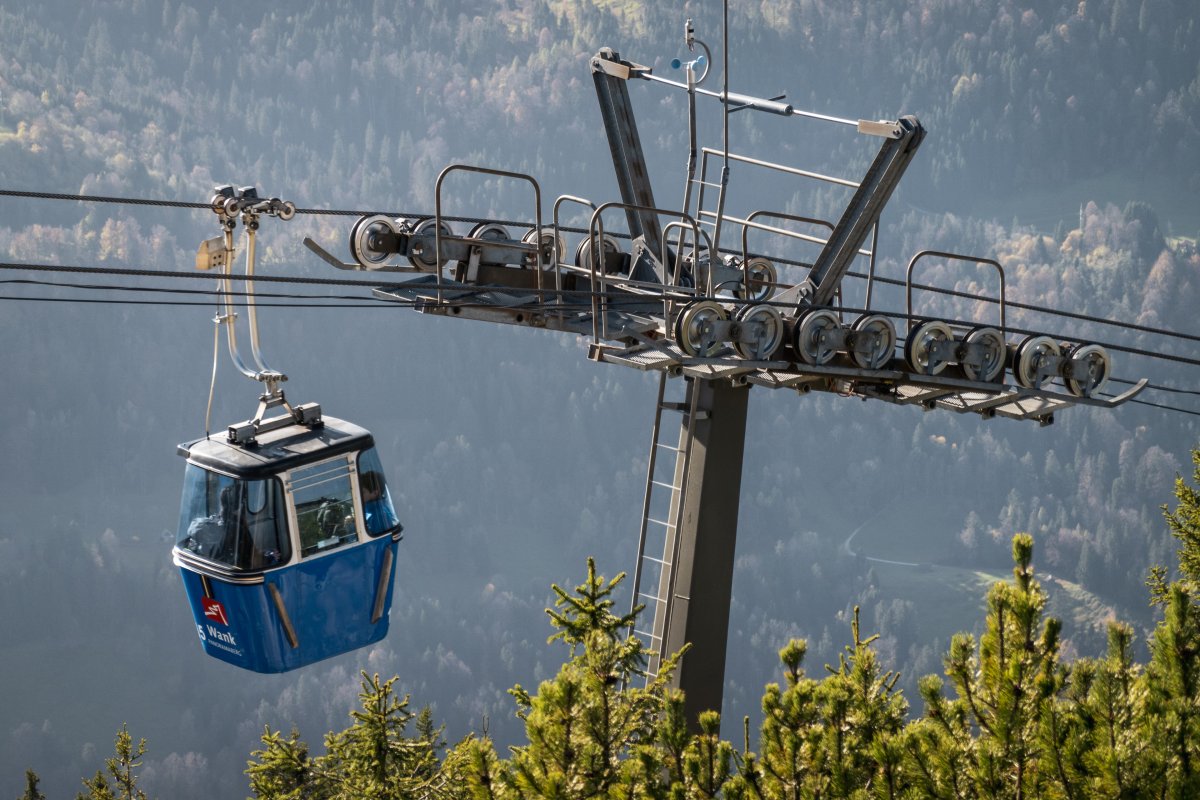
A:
[860, 215]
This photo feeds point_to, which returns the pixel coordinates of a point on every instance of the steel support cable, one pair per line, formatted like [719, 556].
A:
[348, 301]
[387, 304]
[344, 300]
[161, 303]
[197, 303]
[790, 262]
[338, 212]
[1041, 309]
[1158, 387]
[373, 284]
[108, 287]
[381, 304]
[580, 294]
[1163, 406]
[1019, 331]
[1009, 303]
[196, 275]
[189, 292]
[994, 301]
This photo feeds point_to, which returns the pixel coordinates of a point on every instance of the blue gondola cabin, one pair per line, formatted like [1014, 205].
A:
[287, 547]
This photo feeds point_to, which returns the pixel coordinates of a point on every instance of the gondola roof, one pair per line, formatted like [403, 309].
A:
[277, 451]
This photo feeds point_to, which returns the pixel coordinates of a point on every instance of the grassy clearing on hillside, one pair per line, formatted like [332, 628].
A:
[946, 600]
[949, 600]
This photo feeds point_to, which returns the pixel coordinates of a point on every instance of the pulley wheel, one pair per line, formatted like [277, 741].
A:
[695, 328]
[583, 253]
[489, 232]
[758, 282]
[766, 325]
[427, 260]
[553, 245]
[874, 341]
[367, 254]
[919, 348]
[1086, 369]
[812, 340]
[994, 352]
[1030, 356]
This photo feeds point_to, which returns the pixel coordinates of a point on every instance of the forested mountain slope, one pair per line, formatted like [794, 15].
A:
[513, 456]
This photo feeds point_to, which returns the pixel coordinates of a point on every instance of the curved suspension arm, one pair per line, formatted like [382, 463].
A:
[251, 222]
[229, 318]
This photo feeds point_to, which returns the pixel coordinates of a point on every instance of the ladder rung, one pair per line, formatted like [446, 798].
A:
[674, 406]
[665, 485]
[655, 560]
[706, 183]
[666, 446]
[655, 598]
[647, 634]
[660, 522]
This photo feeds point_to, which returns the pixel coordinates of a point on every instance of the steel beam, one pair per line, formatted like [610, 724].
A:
[611, 75]
[702, 586]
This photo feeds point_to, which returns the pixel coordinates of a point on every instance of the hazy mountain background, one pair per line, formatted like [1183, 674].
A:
[1062, 140]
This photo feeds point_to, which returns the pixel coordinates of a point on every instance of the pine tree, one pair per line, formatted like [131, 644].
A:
[707, 762]
[31, 787]
[1003, 691]
[587, 736]
[838, 737]
[1184, 523]
[121, 769]
[283, 770]
[1110, 695]
[371, 758]
[1172, 722]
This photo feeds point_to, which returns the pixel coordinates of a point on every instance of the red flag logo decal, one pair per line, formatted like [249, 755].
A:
[214, 611]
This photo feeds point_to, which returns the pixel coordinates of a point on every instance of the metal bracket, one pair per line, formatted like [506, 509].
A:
[614, 66]
[246, 432]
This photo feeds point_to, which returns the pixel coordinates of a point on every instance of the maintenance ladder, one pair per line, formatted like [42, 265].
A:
[661, 511]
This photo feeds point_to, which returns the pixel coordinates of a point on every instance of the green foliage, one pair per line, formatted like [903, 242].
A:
[1184, 523]
[120, 768]
[1017, 721]
[371, 758]
[31, 787]
[590, 731]
[283, 768]
[1173, 695]
[831, 737]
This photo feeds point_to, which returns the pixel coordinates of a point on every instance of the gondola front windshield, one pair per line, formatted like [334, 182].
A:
[238, 523]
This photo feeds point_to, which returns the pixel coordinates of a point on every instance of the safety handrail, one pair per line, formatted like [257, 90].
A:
[437, 211]
[558, 202]
[596, 242]
[908, 285]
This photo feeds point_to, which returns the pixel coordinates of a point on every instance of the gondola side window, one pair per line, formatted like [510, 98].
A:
[324, 500]
[378, 512]
[241, 524]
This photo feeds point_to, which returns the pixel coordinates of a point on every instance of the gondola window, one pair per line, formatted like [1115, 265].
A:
[237, 523]
[325, 511]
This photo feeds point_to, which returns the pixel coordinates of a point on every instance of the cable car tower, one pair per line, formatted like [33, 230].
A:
[722, 320]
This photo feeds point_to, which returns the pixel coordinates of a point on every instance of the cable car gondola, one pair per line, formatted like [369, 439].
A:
[287, 548]
[287, 534]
